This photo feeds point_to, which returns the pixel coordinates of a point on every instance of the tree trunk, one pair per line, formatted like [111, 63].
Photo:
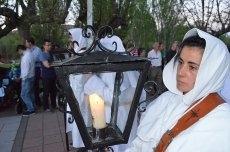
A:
[24, 32]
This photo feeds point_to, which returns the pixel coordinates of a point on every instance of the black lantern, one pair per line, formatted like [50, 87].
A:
[98, 134]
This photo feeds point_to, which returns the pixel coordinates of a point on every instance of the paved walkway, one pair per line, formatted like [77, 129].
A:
[8, 132]
[41, 132]
[45, 133]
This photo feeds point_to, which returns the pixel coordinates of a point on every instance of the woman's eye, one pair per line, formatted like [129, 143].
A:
[193, 67]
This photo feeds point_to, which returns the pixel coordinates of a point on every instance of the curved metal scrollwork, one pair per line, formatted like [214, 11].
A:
[93, 39]
[71, 118]
[104, 149]
[110, 149]
[152, 91]
[61, 101]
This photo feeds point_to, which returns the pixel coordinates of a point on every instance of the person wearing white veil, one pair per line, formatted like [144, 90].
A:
[76, 83]
[103, 84]
[225, 92]
[76, 38]
[195, 73]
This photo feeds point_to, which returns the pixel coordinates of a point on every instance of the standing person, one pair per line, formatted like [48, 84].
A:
[27, 77]
[155, 71]
[103, 85]
[191, 115]
[172, 52]
[141, 52]
[36, 51]
[161, 49]
[225, 91]
[77, 83]
[48, 77]
[132, 49]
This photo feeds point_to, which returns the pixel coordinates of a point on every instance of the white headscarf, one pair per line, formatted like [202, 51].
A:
[76, 34]
[212, 72]
[129, 77]
[108, 42]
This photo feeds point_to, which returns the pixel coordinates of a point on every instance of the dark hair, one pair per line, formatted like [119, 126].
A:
[140, 50]
[31, 40]
[193, 41]
[20, 47]
[46, 40]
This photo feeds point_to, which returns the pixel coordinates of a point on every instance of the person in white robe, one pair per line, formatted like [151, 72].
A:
[225, 92]
[212, 132]
[103, 85]
[77, 84]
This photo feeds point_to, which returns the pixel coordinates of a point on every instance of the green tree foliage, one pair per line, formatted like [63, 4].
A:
[209, 15]
[54, 32]
[139, 20]
[226, 39]
[115, 13]
[8, 45]
[141, 27]
[31, 12]
[166, 14]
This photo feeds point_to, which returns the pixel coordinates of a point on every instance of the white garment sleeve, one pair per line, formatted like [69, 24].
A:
[97, 85]
[25, 66]
[225, 92]
[69, 126]
[138, 146]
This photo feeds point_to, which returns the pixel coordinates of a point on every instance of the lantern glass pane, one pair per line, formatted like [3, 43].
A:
[103, 100]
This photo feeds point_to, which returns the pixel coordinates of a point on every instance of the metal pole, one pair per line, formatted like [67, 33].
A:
[89, 12]
[89, 20]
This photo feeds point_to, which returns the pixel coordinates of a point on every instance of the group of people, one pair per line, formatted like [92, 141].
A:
[35, 65]
[157, 58]
[189, 115]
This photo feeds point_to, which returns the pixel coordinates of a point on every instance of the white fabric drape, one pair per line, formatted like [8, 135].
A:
[76, 34]
[103, 84]
[209, 134]
[225, 92]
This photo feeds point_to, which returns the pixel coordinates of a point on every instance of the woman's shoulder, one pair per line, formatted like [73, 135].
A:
[162, 99]
[222, 111]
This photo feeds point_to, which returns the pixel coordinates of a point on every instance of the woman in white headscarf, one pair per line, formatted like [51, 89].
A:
[77, 85]
[103, 84]
[194, 73]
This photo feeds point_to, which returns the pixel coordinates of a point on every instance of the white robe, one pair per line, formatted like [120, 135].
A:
[212, 132]
[77, 85]
[209, 134]
[225, 92]
[103, 85]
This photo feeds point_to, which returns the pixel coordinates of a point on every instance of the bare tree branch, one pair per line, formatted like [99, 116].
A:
[215, 15]
[11, 21]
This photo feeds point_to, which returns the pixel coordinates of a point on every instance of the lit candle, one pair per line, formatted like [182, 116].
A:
[98, 111]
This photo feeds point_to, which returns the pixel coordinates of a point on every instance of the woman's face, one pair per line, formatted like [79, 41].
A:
[143, 53]
[189, 63]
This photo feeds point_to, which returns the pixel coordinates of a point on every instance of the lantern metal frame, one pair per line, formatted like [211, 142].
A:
[106, 60]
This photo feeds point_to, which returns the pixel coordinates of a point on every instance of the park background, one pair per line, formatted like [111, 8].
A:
[143, 21]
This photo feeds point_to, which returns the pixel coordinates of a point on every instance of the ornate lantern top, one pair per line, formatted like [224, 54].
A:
[106, 60]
